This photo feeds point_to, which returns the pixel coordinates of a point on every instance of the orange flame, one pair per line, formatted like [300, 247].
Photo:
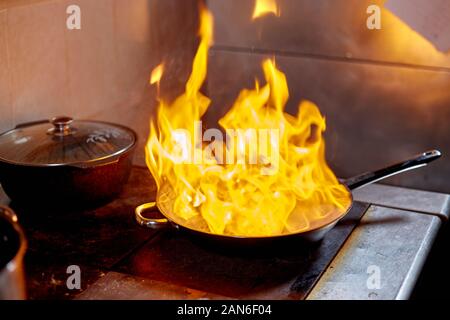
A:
[265, 7]
[157, 74]
[257, 183]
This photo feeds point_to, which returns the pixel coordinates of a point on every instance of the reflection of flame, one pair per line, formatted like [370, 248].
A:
[264, 7]
[235, 198]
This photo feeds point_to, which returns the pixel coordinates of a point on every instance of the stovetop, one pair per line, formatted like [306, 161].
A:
[288, 272]
[120, 260]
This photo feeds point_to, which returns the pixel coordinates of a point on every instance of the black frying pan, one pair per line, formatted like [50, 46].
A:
[166, 194]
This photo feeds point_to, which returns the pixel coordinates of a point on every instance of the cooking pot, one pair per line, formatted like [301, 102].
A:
[166, 197]
[12, 250]
[77, 163]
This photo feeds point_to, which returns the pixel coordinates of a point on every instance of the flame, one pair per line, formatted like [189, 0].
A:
[157, 74]
[264, 7]
[269, 178]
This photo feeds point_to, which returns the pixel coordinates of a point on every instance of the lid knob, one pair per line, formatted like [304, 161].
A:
[61, 126]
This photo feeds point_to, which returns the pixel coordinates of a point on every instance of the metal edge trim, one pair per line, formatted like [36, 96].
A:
[444, 214]
[413, 274]
[369, 205]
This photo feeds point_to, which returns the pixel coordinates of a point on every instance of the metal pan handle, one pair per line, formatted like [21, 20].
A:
[149, 222]
[417, 161]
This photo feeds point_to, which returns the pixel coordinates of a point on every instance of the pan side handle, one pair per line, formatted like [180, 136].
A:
[151, 223]
[417, 161]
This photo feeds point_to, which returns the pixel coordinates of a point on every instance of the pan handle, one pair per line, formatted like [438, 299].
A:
[417, 161]
[149, 222]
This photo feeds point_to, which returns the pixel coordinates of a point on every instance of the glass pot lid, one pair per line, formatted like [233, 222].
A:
[64, 141]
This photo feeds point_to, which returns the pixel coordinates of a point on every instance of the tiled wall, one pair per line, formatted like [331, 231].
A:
[385, 93]
[98, 72]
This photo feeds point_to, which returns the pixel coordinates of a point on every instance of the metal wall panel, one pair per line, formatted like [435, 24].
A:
[327, 27]
[375, 114]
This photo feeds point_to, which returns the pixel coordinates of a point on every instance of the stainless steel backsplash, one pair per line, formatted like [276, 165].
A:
[385, 93]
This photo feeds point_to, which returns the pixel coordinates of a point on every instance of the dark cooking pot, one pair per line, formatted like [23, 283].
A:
[65, 161]
[165, 201]
[12, 250]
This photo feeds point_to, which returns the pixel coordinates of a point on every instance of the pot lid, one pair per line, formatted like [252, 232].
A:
[64, 141]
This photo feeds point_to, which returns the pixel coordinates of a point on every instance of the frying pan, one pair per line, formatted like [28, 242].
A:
[165, 197]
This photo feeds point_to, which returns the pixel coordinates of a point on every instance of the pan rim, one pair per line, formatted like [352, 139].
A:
[250, 238]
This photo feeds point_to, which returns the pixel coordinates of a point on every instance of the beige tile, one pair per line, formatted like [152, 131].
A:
[333, 28]
[149, 32]
[135, 57]
[91, 60]
[109, 59]
[133, 51]
[38, 61]
[375, 115]
[135, 116]
[4, 4]
[6, 108]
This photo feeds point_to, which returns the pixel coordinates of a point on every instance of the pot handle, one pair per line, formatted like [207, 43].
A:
[151, 223]
[417, 161]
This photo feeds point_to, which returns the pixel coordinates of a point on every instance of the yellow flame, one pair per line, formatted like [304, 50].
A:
[264, 7]
[255, 184]
[157, 74]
